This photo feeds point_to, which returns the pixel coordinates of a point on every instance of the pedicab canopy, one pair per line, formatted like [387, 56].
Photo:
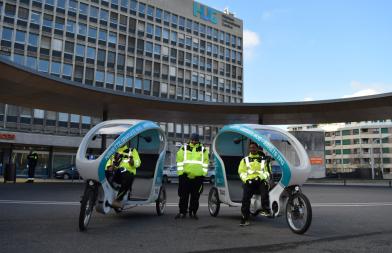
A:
[283, 147]
[146, 136]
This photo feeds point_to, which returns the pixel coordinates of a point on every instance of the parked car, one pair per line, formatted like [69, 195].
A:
[69, 172]
[169, 174]
[210, 175]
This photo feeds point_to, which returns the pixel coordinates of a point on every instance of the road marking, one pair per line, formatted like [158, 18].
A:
[65, 203]
[371, 204]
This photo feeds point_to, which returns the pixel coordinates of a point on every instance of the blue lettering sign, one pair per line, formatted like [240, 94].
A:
[204, 12]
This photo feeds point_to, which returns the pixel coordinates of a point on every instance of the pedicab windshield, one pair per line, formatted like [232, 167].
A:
[147, 142]
[233, 144]
[282, 143]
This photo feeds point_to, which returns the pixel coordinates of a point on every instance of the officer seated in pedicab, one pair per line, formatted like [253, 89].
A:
[125, 162]
[254, 174]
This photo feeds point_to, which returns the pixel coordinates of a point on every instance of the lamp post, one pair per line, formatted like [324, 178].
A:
[372, 157]
[372, 153]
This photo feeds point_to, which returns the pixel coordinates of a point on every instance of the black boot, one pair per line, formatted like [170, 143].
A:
[180, 216]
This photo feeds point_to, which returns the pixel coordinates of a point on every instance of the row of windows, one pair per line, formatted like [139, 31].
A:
[26, 115]
[146, 47]
[143, 66]
[114, 18]
[152, 31]
[131, 84]
[357, 161]
[147, 67]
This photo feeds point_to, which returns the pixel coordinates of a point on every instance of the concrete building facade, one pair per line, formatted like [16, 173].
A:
[360, 150]
[177, 49]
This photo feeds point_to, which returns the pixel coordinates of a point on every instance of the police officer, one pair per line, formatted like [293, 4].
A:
[192, 166]
[126, 172]
[32, 160]
[254, 172]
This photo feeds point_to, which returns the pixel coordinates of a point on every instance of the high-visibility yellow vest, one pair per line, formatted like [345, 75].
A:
[253, 166]
[192, 160]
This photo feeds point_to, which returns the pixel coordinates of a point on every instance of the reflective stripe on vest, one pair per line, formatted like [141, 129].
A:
[193, 161]
[250, 170]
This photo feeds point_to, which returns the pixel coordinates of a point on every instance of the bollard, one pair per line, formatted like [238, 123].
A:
[389, 183]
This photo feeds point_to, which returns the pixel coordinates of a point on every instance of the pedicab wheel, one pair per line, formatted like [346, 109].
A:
[160, 203]
[213, 202]
[118, 210]
[298, 213]
[86, 208]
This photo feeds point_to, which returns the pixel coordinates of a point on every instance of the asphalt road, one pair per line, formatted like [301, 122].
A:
[44, 218]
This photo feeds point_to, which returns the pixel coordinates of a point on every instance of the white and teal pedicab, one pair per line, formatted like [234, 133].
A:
[231, 144]
[150, 142]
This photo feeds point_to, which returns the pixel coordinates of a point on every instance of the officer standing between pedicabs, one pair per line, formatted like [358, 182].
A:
[126, 172]
[254, 174]
[192, 166]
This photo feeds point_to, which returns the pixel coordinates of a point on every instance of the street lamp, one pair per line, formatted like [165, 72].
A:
[372, 153]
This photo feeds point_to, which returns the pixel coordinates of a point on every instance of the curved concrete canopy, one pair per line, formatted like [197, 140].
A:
[26, 87]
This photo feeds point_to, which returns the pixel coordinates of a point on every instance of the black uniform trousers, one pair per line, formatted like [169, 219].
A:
[31, 171]
[189, 188]
[126, 180]
[249, 189]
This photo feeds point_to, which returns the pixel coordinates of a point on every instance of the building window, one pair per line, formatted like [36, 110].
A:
[92, 32]
[67, 70]
[157, 49]
[129, 82]
[163, 88]
[104, 15]
[165, 34]
[150, 11]
[63, 117]
[90, 52]
[142, 8]
[94, 12]
[148, 47]
[112, 38]
[138, 83]
[19, 59]
[119, 80]
[158, 13]
[10, 10]
[31, 62]
[173, 37]
[150, 29]
[110, 78]
[80, 50]
[35, 18]
[166, 17]
[133, 5]
[147, 85]
[102, 35]
[20, 37]
[48, 21]
[165, 51]
[158, 31]
[111, 58]
[57, 45]
[7, 34]
[172, 71]
[23, 13]
[71, 26]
